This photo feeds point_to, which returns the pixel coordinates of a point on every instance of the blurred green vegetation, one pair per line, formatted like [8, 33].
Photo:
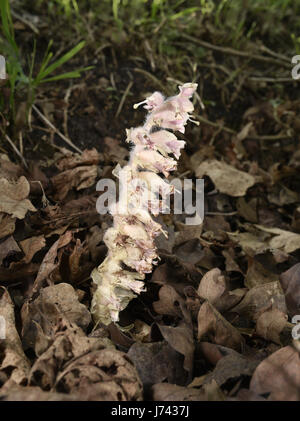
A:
[147, 30]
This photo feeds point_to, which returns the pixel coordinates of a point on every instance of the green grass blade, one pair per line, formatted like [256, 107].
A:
[66, 57]
[67, 75]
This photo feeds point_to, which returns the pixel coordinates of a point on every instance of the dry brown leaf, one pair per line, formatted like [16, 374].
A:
[192, 301]
[79, 265]
[115, 151]
[189, 252]
[290, 282]
[231, 367]
[257, 274]
[212, 324]
[286, 241]
[226, 178]
[72, 160]
[101, 375]
[8, 247]
[170, 302]
[261, 298]
[157, 362]
[13, 197]
[281, 195]
[230, 262]
[230, 299]
[68, 342]
[213, 352]
[173, 393]
[48, 264]
[212, 285]
[141, 332]
[8, 169]
[181, 339]
[278, 376]
[250, 243]
[13, 361]
[65, 298]
[32, 245]
[40, 317]
[79, 178]
[187, 232]
[7, 225]
[89, 367]
[272, 325]
[30, 393]
[248, 210]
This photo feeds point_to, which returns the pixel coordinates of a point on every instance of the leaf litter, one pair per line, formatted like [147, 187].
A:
[216, 320]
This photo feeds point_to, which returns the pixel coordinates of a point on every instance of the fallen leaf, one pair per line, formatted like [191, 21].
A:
[173, 393]
[32, 245]
[230, 299]
[230, 262]
[211, 324]
[290, 282]
[7, 225]
[213, 352]
[170, 302]
[248, 210]
[142, 331]
[181, 339]
[48, 264]
[79, 178]
[259, 299]
[284, 240]
[278, 376]
[189, 252]
[114, 150]
[13, 197]
[226, 178]
[212, 285]
[31, 393]
[281, 195]
[13, 361]
[231, 367]
[8, 169]
[40, 316]
[250, 243]
[272, 325]
[101, 375]
[186, 233]
[257, 274]
[157, 362]
[72, 160]
[68, 342]
[8, 247]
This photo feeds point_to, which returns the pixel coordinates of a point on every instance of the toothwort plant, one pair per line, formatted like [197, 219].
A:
[131, 239]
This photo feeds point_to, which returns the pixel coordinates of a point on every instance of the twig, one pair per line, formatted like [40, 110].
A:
[25, 21]
[152, 77]
[272, 53]
[257, 137]
[123, 98]
[211, 123]
[63, 137]
[273, 79]
[16, 150]
[270, 137]
[231, 51]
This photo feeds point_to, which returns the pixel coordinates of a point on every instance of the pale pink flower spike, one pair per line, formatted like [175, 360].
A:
[131, 241]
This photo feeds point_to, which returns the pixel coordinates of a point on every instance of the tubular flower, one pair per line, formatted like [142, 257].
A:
[131, 240]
